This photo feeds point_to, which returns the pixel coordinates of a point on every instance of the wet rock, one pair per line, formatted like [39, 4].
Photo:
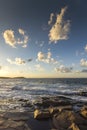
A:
[84, 112]
[41, 115]
[17, 116]
[73, 127]
[68, 120]
[54, 110]
[53, 101]
[63, 119]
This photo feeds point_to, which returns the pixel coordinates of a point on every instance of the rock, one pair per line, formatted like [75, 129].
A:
[41, 115]
[63, 119]
[53, 101]
[53, 110]
[74, 127]
[84, 112]
[69, 120]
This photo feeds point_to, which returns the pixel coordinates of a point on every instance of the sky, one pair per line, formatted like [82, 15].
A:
[43, 39]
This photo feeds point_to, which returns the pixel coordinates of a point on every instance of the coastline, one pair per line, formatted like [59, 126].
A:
[58, 108]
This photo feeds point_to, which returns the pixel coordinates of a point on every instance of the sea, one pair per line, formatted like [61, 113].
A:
[14, 92]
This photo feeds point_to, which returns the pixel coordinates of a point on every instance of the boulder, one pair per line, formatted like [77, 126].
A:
[84, 112]
[41, 115]
[63, 120]
[69, 120]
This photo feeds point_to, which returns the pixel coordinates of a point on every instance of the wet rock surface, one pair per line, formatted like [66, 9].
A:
[50, 113]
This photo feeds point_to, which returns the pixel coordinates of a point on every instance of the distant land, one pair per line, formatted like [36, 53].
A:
[42, 78]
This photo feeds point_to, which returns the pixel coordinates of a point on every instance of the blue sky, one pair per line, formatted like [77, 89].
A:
[43, 38]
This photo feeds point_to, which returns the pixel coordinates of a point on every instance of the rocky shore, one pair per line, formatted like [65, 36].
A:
[50, 113]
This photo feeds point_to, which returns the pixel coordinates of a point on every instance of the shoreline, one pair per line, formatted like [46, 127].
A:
[58, 108]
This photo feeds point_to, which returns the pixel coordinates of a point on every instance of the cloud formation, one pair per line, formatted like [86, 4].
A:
[9, 37]
[46, 58]
[17, 61]
[60, 29]
[83, 62]
[51, 19]
[21, 31]
[11, 40]
[63, 69]
[86, 48]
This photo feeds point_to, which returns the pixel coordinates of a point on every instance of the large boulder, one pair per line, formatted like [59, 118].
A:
[69, 120]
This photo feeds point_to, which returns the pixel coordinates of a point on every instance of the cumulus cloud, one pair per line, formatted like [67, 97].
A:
[41, 56]
[17, 61]
[83, 62]
[60, 29]
[11, 40]
[9, 37]
[46, 58]
[63, 69]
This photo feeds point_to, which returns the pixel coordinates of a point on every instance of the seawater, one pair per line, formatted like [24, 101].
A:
[14, 89]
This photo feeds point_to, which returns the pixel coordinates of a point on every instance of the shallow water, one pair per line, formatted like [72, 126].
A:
[12, 90]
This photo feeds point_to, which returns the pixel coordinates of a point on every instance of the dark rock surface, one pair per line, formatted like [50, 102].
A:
[50, 113]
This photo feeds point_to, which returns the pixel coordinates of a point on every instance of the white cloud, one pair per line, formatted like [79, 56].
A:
[49, 55]
[63, 69]
[83, 62]
[24, 46]
[9, 37]
[11, 40]
[86, 48]
[21, 31]
[17, 61]
[41, 56]
[51, 18]
[60, 29]
[46, 58]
